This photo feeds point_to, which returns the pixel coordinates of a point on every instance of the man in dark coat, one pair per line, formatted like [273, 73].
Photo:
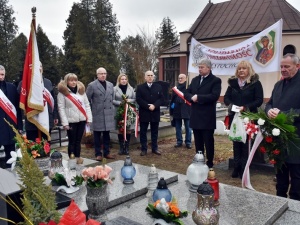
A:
[203, 93]
[7, 134]
[149, 98]
[284, 98]
[181, 111]
[30, 128]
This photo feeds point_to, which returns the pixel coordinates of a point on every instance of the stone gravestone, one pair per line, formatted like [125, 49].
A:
[9, 188]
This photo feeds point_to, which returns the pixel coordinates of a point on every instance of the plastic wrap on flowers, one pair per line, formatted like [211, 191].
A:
[73, 215]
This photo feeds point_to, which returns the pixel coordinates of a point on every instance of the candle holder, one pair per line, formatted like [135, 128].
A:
[128, 171]
[162, 191]
[197, 172]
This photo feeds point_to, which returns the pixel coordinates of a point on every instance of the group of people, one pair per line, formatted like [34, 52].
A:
[97, 105]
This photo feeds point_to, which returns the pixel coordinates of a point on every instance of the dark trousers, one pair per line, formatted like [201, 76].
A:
[288, 172]
[240, 154]
[154, 135]
[75, 134]
[33, 134]
[205, 138]
[105, 140]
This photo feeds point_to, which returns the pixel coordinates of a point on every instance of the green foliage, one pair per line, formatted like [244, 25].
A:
[59, 180]
[8, 30]
[37, 198]
[91, 40]
[166, 34]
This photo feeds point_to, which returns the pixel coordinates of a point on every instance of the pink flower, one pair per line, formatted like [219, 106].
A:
[47, 148]
[38, 141]
[87, 173]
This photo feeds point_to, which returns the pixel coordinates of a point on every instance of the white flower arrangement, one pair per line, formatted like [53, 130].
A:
[246, 120]
[275, 132]
[261, 122]
[15, 157]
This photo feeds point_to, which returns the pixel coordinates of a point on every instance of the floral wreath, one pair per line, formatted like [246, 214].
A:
[279, 135]
[120, 115]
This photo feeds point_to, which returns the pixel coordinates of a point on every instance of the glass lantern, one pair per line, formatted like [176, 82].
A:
[162, 191]
[197, 172]
[128, 171]
[56, 165]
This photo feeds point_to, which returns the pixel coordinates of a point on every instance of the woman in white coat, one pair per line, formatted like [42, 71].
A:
[123, 88]
[75, 112]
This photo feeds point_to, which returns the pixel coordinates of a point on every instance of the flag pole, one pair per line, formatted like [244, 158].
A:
[33, 11]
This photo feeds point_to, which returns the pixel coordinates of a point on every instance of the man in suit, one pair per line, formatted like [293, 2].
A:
[203, 93]
[149, 98]
[100, 94]
[9, 91]
[283, 99]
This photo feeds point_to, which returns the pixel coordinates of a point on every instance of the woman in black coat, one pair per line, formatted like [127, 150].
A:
[244, 90]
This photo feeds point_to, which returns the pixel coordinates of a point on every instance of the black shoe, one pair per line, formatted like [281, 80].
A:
[143, 153]
[189, 146]
[177, 145]
[156, 152]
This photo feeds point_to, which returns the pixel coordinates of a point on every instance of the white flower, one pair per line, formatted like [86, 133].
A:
[261, 122]
[246, 120]
[14, 158]
[275, 132]
[218, 105]
[162, 206]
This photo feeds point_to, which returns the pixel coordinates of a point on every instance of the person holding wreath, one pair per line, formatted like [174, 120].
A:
[124, 94]
[75, 112]
[246, 92]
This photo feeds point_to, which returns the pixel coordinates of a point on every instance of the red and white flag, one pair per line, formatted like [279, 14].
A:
[31, 98]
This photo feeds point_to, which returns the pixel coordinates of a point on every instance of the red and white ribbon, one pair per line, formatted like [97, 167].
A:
[8, 107]
[78, 103]
[48, 98]
[246, 175]
[180, 94]
[125, 120]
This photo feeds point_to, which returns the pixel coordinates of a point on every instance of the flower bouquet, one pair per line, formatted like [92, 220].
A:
[279, 138]
[167, 211]
[129, 109]
[38, 148]
[95, 176]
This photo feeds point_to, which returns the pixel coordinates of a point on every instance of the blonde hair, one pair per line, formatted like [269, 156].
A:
[70, 76]
[119, 79]
[248, 65]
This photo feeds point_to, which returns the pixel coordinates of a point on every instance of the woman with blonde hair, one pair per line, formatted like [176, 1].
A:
[245, 91]
[75, 112]
[121, 89]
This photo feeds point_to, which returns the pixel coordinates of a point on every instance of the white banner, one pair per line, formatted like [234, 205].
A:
[263, 51]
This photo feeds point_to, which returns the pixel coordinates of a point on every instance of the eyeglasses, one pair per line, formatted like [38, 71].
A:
[102, 73]
[180, 78]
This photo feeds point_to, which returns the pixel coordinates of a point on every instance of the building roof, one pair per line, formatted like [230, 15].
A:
[243, 17]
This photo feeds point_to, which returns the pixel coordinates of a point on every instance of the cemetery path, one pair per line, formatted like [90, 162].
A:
[178, 159]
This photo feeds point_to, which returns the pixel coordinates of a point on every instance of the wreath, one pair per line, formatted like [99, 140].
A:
[120, 115]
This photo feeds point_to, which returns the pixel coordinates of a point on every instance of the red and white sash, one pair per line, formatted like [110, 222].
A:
[48, 98]
[180, 94]
[136, 120]
[8, 107]
[78, 103]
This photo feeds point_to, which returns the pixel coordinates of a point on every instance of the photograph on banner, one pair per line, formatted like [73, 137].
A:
[261, 50]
